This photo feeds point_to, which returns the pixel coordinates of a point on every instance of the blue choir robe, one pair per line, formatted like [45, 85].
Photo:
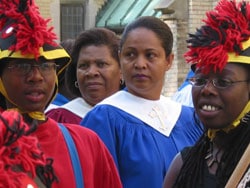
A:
[142, 135]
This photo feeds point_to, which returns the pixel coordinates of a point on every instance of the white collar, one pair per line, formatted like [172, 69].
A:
[161, 114]
[77, 106]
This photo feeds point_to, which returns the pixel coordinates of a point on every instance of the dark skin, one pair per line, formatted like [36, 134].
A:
[225, 102]
[98, 74]
[217, 109]
[28, 93]
[144, 63]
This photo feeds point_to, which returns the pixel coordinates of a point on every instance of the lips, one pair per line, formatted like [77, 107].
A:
[93, 85]
[140, 76]
[35, 96]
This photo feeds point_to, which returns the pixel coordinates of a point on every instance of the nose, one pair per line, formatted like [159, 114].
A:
[140, 63]
[35, 74]
[92, 71]
[209, 83]
[209, 88]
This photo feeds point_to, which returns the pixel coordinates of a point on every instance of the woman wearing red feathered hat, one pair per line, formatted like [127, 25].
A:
[30, 61]
[219, 53]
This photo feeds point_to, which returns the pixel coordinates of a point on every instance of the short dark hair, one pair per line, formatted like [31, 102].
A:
[94, 36]
[160, 28]
[67, 44]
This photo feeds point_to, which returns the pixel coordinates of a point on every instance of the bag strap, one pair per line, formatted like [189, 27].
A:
[241, 167]
[74, 157]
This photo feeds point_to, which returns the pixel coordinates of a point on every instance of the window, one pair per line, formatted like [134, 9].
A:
[72, 20]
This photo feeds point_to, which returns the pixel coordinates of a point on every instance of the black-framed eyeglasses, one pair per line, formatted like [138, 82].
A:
[217, 82]
[24, 68]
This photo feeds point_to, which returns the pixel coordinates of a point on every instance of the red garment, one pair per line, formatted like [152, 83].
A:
[20, 154]
[64, 116]
[98, 167]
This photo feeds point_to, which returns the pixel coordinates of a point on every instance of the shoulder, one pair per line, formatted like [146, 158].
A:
[185, 152]
[79, 130]
[175, 168]
[187, 114]
[187, 109]
[84, 136]
[56, 111]
[106, 114]
[188, 126]
[50, 107]
[173, 171]
[103, 110]
[63, 115]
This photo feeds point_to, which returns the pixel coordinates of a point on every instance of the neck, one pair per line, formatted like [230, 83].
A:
[213, 157]
[221, 139]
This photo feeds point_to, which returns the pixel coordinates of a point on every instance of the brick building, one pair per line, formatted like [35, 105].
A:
[183, 16]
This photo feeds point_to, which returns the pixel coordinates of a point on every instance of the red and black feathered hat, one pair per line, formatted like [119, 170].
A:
[224, 37]
[24, 35]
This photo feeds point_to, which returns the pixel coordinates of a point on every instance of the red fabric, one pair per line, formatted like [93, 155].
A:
[98, 168]
[19, 154]
[30, 27]
[63, 116]
[226, 27]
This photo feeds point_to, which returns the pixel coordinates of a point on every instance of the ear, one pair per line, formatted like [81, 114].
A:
[121, 76]
[169, 61]
[119, 55]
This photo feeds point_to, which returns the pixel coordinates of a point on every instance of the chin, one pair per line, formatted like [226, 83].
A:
[35, 110]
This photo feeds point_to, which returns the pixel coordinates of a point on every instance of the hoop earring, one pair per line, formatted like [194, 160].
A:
[76, 84]
[122, 82]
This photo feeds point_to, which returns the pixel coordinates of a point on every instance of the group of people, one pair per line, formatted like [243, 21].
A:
[67, 155]
[116, 129]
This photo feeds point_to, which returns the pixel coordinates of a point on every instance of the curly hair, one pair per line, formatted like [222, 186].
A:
[94, 36]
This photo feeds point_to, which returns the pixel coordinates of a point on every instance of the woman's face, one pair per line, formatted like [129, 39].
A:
[29, 91]
[98, 73]
[144, 63]
[218, 108]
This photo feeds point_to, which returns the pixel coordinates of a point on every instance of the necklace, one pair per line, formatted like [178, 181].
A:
[210, 157]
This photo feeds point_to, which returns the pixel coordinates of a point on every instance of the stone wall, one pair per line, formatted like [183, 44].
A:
[196, 12]
[171, 75]
[178, 71]
[181, 28]
[50, 9]
[44, 6]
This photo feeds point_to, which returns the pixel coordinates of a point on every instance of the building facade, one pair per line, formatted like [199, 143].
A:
[69, 17]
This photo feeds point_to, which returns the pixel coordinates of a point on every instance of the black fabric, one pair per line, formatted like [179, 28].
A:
[209, 179]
